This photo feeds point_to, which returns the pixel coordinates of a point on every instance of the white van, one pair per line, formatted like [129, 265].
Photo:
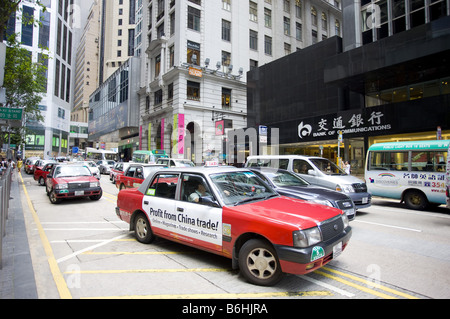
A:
[317, 171]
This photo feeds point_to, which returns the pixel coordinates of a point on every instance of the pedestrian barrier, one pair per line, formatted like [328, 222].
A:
[5, 190]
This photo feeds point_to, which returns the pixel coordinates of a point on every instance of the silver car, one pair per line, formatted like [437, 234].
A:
[105, 166]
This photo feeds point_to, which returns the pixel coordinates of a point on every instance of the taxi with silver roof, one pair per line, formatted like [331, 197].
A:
[234, 213]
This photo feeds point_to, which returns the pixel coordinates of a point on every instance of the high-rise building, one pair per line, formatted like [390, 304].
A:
[194, 58]
[55, 34]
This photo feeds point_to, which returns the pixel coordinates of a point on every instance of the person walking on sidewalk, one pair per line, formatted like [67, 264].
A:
[19, 164]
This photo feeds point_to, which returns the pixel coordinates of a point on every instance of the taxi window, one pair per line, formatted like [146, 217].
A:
[131, 171]
[139, 173]
[163, 185]
[301, 166]
[194, 188]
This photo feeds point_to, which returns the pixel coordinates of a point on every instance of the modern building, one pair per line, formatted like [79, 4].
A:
[387, 79]
[195, 55]
[50, 137]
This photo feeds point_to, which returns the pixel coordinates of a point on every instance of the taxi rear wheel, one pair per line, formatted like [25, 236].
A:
[142, 229]
[259, 263]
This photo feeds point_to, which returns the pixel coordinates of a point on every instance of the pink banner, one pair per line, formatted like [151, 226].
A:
[180, 133]
[162, 134]
[140, 137]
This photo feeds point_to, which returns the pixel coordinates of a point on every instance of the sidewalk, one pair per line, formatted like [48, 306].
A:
[17, 279]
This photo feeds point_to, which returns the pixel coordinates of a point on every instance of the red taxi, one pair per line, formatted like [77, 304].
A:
[117, 170]
[233, 213]
[72, 181]
[134, 175]
[41, 172]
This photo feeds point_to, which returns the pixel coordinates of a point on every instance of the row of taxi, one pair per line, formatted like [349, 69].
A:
[267, 221]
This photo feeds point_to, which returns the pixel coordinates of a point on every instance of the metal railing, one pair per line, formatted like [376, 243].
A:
[5, 190]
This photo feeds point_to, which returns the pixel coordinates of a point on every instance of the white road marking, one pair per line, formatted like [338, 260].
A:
[328, 286]
[390, 226]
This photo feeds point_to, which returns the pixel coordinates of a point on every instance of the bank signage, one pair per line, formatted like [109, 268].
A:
[349, 123]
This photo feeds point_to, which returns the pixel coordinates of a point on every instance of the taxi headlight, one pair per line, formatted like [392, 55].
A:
[94, 184]
[322, 202]
[307, 237]
[345, 188]
[61, 186]
[345, 220]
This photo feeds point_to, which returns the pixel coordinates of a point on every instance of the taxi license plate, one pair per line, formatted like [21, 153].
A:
[337, 249]
[79, 193]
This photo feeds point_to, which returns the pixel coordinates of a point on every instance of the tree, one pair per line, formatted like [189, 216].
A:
[7, 7]
[25, 81]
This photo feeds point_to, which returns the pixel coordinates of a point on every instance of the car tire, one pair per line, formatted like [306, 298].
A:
[96, 197]
[415, 200]
[53, 198]
[122, 186]
[142, 229]
[259, 263]
[41, 181]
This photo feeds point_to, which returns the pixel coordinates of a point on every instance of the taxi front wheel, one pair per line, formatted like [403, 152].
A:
[142, 229]
[259, 263]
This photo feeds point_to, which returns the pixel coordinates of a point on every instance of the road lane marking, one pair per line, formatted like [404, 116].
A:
[351, 284]
[70, 241]
[138, 271]
[328, 286]
[390, 226]
[370, 283]
[76, 253]
[223, 295]
[137, 253]
[61, 284]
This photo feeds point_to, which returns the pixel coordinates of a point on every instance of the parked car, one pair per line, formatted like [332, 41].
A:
[72, 181]
[117, 170]
[174, 162]
[317, 171]
[105, 166]
[291, 185]
[40, 174]
[135, 174]
[233, 213]
[29, 164]
[92, 167]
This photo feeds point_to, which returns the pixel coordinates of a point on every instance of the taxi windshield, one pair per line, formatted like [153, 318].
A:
[284, 179]
[237, 188]
[71, 171]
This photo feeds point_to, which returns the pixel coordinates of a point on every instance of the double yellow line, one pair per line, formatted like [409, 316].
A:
[325, 271]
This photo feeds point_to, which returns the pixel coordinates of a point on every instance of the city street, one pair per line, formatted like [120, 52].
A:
[80, 249]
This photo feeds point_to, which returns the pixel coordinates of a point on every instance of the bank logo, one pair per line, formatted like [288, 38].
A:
[304, 130]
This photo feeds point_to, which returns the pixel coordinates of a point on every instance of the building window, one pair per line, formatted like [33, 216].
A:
[313, 16]
[337, 27]
[27, 26]
[193, 91]
[199, 2]
[226, 59]
[253, 40]
[226, 30]
[287, 48]
[157, 65]
[267, 18]
[158, 97]
[298, 31]
[298, 9]
[267, 45]
[171, 56]
[314, 36]
[193, 52]
[170, 91]
[253, 11]
[226, 98]
[287, 6]
[226, 5]
[324, 22]
[160, 31]
[253, 65]
[287, 26]
[172, 23]
[194, 19]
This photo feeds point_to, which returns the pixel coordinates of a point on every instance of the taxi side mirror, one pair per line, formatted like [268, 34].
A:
[209, 201]
[311, 172]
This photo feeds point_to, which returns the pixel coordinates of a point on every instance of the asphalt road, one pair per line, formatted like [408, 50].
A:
[80, 249]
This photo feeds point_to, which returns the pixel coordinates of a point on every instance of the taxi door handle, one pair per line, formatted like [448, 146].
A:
[180, 209]
[145, 202]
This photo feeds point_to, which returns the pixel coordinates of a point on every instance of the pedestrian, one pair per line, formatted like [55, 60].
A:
[347, 167]
[19, 164]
